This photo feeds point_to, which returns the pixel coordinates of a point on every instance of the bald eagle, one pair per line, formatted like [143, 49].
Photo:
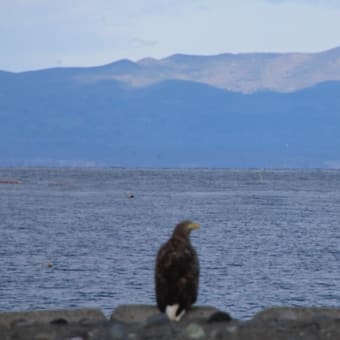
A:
[177, 272]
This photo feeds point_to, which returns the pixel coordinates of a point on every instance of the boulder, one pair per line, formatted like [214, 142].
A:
[297, 314]
[63, 316]
[143, 313]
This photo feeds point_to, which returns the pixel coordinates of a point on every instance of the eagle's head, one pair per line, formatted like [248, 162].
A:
[184, 228]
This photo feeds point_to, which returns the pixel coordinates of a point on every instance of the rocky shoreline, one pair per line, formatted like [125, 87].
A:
[145, 322]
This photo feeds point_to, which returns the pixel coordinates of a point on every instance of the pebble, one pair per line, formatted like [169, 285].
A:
[194, 331]
[118, 331]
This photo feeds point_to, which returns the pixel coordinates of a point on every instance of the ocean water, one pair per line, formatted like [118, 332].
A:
[72, 238]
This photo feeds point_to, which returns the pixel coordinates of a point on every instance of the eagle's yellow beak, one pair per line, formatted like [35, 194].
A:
[193, 226]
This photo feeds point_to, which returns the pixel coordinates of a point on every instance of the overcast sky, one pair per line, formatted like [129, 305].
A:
[46, 33]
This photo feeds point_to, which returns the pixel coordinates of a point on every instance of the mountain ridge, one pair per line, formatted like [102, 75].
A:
[238, 72]
[51, 119]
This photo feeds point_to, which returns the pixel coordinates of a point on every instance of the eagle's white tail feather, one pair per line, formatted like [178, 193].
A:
[171, 312]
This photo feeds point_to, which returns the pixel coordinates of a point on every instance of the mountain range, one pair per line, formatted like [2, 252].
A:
[246, 73]
[246, 110]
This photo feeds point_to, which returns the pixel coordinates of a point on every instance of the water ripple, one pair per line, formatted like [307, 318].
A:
[73, 238]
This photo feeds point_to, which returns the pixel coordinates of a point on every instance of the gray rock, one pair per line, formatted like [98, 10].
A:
[68, 315]
[43, 336]
[145, 322]
[201, 312]
[134, 313]
[143, 313]
[21, 323]
[194, 331]
[219, 317]
[297, 314]
[118, 331]
[156, 320]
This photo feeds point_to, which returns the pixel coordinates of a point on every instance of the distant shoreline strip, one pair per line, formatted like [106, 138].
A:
[9, 181]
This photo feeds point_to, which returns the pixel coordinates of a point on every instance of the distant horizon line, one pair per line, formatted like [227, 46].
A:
[37, 167]
[139, 60]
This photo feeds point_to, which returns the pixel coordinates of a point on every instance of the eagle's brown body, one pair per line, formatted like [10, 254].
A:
[177, 271]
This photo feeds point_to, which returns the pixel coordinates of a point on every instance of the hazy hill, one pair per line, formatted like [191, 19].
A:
[282, 72]
[65, 117]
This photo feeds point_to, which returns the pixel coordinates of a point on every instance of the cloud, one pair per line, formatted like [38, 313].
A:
[324, 3]
[136, 41]
[42, 33]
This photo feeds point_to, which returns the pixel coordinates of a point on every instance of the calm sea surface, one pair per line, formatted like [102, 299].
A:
[267, 237]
